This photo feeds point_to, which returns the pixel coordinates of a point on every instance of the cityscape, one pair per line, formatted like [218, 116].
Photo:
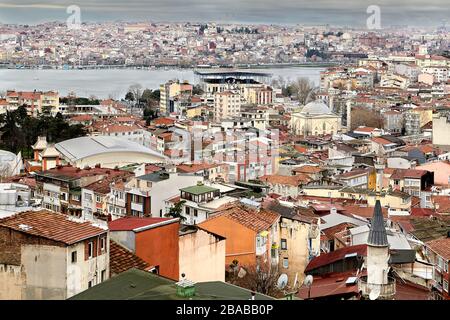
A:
[151, 159]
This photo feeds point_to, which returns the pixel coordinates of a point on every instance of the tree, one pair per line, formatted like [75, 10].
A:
[19, 131]
[197, 90]
[11, 136]
[175, 211]
[365, 117]
[129, 96]
[262, 278]
[302, 89]
[146, 95]
[136, 90]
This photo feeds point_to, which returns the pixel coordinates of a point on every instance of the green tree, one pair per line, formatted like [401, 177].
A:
[175, 211]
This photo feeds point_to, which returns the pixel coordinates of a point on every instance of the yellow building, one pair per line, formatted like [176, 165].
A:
[315, 118]
[169, 90]
[226, 104]
[195, 111]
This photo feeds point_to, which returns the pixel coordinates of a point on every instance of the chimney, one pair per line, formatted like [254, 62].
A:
[185, 287]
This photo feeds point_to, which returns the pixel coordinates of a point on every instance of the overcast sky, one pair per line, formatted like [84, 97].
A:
[334, 12]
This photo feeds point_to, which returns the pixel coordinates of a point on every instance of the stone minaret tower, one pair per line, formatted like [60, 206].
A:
[377, 249]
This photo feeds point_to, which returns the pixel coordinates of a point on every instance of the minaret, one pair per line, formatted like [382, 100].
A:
[377, 249]
[377, 285]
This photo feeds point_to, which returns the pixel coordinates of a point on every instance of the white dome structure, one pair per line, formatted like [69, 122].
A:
[316, 107]
[315, 119]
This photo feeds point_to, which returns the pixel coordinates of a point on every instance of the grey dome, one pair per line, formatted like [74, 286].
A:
[316, 107]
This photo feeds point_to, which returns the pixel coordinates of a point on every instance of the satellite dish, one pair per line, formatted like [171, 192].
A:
[282, 281]
[374, 294]
[308, 280]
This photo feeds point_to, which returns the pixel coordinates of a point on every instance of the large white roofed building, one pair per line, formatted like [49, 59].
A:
[315, 118]
[107, 151]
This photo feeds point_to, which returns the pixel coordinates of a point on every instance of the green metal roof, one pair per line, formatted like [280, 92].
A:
[199, 189]
[136, 284]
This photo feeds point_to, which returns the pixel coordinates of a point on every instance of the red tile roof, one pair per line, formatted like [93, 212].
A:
[255, 220]
[132, 223]
[408, 173]
[286, 180]
[122, 259]
[51, 225]
[333, 256]
[441, 247]
[332, 285]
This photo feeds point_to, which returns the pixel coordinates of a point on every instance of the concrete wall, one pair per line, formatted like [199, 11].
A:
[202, 256]
[84, 270]
[241, 241]
[441, 132]
[377, 264]
[11, 280]
[159, 247]
[125, 238]
[45, 268]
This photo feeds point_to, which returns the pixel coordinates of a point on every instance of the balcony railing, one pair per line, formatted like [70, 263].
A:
[387, 291]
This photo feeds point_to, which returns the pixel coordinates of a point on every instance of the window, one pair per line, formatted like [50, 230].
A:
[90, 284]
[446, 266]
[285, 263]
[283, 244]
[103, 244]
[97, 198]
[74, 256]
[195, 213]
[445, 285]
[91, 249]
[440, 262]
[188, 211]
[103, 276]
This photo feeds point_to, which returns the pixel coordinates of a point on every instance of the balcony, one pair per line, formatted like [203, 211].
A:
[137, 206]
[387, 291]
[437, 285]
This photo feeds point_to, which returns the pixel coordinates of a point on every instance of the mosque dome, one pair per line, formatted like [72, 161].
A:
[315, 108]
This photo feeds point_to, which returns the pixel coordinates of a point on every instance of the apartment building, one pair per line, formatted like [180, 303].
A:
[226, 104]
[49, 256]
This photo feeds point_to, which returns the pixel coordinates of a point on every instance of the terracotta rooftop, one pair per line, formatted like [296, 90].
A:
[408, 173]
[333, 256]
[122, 259]
[290, 180]
[55, 226]
[190, 168]
[332, 285]
[73, 173]
[441, 247]
[133, 223]
[255, 220]
[308, 169]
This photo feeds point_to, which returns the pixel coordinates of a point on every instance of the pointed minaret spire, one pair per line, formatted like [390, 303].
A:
[377, 235]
